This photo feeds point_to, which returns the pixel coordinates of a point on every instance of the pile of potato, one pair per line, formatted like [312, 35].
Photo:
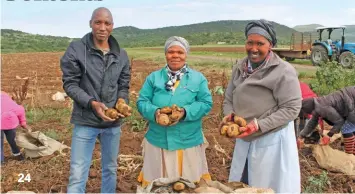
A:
[169, 115]
[231, 129]
[120, 108]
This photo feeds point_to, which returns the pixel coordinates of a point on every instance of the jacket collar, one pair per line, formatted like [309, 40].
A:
[114, 46]
[273, 61]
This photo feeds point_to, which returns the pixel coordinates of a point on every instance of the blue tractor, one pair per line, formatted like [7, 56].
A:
[338, 50]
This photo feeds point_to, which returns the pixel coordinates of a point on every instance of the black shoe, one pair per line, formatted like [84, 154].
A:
[19, 157]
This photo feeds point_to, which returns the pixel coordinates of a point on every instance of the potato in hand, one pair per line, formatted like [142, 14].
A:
[112, 113]
[240, 121]
[224, 129]
[163, 119]
[231, 128]
[123, 108]
[166, 110]
[171, 115]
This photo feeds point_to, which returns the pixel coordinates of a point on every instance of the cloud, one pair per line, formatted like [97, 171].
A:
[75, 23]
[351, 12]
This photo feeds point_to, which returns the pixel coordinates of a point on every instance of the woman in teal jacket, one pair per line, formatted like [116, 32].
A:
[176, 150]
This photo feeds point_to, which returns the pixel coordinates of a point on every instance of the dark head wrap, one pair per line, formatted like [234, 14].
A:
[263, 28]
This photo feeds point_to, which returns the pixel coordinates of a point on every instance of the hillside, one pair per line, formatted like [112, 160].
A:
[17, 41]
[349, 31]
[229, 31]
[307, 28]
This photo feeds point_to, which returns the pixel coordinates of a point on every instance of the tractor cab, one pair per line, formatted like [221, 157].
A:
[329, 49]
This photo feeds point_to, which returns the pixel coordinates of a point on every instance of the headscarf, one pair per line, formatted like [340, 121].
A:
[263, 28]
[177, 41]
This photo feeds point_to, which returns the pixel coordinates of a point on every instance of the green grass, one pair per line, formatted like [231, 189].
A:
[217, 60]
[302, 62]
[34, 115]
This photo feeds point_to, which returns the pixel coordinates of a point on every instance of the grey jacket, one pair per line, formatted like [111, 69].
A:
[334, 108]
[89, 75]
[272, 95]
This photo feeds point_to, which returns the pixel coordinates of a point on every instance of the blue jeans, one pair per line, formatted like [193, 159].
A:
[83, 143]
[10, 137]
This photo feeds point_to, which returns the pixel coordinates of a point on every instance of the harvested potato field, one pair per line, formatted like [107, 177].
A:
[51, 173]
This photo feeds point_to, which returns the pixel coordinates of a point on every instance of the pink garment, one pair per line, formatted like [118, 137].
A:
[12, 114]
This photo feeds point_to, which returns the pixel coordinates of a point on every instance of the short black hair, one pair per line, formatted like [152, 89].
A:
[99, 9]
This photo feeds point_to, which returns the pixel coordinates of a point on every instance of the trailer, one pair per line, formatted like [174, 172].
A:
[300, 46]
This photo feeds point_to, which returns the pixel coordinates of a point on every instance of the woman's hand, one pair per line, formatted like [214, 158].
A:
[251, 128]
[157, 113]
[28, 128]
[325, 140]
[226, 119]
[300, 142]
[182, 114]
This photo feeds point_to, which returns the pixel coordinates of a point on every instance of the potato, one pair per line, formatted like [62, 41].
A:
[166, 110]
[230, 123]
[233, 130]
[224, 129]
[163, 119]
[175, 107]
[240, 121]
[178, 186]
[123, 108]
[175, 115]
[112, 113]
[173, 112]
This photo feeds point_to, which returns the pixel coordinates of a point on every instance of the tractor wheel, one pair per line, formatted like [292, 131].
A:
[318, 55]
[347, 59]
[289, 58]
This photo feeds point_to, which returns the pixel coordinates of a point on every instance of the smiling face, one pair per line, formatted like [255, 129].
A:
[257, 47]
[175, 57]
[101, 25]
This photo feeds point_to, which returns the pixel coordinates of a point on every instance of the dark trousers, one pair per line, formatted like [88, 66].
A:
[10, 137]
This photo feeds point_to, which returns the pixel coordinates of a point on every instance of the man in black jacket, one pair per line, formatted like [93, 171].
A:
[96, 73]
[338, 110]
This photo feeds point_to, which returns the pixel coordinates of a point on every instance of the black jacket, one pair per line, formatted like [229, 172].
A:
[334, 108]
[89, 75]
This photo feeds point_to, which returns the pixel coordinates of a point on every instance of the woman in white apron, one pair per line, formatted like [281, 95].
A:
[264, 90]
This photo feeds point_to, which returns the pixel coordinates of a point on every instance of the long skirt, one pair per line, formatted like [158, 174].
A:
[190, 163]
[272, 161]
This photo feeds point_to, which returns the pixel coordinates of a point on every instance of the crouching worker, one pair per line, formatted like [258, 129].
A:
[337, 109]
[174, 99]
[12, 115]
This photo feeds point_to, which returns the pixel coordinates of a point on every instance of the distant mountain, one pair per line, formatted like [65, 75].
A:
[17, 41]
[228, 31]
[349, 31]
[307, 28]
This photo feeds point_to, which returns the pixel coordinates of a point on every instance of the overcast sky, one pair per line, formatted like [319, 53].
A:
[71, 18]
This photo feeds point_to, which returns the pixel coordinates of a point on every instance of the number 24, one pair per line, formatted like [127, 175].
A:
[24, 178]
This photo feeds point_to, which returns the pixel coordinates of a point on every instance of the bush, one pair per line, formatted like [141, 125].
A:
[316, 184]
[331, 77]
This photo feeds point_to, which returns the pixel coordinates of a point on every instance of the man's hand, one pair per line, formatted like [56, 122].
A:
[100, 108]
[182, 114]
[251, 128]
[325, 140]
[300, 142]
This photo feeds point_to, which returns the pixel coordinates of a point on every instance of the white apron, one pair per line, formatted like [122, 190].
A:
[272, 161]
